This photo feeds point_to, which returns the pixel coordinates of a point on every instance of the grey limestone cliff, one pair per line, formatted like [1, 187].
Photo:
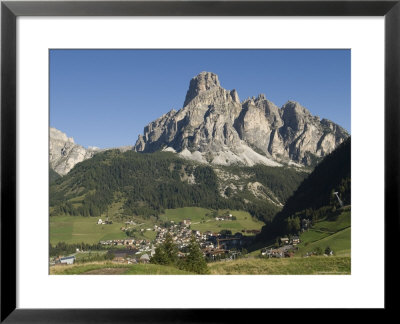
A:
[215, 127]
[64, 153]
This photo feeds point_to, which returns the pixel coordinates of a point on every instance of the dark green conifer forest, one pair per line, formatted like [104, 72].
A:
[147, 184]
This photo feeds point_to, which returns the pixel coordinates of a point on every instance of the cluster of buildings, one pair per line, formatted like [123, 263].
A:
[224, 217]
[286, 250]
[282, 252]
[104, 222]
[294, 240]
[181, 234]
[215, 246]
[130, 242]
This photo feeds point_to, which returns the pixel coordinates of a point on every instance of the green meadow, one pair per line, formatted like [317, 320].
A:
[335, 233]
[77, 229]
[109, 268]
[203, 220]
[339, 243]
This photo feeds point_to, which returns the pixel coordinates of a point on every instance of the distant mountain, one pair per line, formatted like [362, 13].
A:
[65, 153]
[332, 174]
[215, 127]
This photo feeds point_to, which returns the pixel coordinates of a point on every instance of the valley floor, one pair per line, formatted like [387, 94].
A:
[333, 232]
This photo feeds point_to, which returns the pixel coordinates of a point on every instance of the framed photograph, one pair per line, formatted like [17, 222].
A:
[181, 154]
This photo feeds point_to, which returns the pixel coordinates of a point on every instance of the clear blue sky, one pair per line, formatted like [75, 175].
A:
[105, 98]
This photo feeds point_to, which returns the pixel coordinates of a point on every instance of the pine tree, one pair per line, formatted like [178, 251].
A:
[194, 261]
[159, 257]
[328, 250]
[166, 253]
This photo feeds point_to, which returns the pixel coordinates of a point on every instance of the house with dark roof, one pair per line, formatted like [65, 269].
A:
[66, 260]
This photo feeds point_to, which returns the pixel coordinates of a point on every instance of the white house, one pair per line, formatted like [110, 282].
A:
[68, 260]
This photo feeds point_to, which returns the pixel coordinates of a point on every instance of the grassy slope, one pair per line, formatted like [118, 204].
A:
[100, 268]
[286, 266]
[333, 233]
[256, 266]
[338, 242]
[195, 214]
[77, 229]
[203, 221]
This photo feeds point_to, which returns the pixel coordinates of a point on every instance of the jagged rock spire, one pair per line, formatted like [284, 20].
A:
[201, 82]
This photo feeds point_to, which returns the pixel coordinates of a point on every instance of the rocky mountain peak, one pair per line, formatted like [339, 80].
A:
[202, 82]
[58, 135]
[235, 96]
[215, 127]
[260, 97]
[294, 106]
[64, 153]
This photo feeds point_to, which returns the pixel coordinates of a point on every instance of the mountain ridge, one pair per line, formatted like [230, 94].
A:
[215, 127]
[64, 153]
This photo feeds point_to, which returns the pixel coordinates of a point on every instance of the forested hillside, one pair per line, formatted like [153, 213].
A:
[146, 184]
[315, 198]
[53, 175]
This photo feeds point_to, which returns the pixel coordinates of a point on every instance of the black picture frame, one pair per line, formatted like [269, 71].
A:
[10, 10]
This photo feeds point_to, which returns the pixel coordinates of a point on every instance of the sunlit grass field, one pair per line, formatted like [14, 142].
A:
[249, 266]
[335, 234]
[339, 243]
[286, 266]
[77, 229]
[109, 268]
[202, 219]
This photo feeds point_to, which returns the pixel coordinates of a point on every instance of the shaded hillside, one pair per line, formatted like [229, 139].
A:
[145, 184]
[315, 193]
[53, 175]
